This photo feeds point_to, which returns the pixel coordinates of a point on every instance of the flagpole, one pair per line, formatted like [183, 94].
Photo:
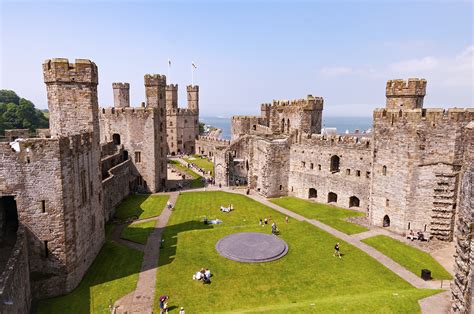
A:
[169, 71]
[192, 73]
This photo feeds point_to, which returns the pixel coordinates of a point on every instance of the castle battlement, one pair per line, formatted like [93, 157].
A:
[182, 112]
[303, 102]
[118, 85]
[60, 70]
[337, 140]
[410, 87]
[245, 117]
[383, 115]
[155, 80]
[213, 140]
[192, 88]
[128, 111]
[172, 87]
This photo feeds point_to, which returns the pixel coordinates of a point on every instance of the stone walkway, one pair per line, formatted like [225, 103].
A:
[142, 299]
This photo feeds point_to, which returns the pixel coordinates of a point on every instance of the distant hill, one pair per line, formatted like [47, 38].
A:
[20, 113]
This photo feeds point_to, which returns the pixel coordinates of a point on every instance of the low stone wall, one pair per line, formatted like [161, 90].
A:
[116, 187]
[15, 291]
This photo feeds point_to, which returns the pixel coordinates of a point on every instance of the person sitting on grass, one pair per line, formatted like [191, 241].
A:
[197, 276]
[336, 250]
[207, 273]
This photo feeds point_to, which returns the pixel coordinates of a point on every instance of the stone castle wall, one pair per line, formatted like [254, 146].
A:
[137, 129]
[311, 177]
[116, 187]
[416, 160]
[15, 290]
[208, 145]
[462, 287]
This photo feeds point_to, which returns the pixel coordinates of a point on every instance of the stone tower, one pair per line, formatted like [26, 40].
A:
[193, 97]
[72, 96]
[403, 94]
[121, 95]
[172, 96]
[155, 92]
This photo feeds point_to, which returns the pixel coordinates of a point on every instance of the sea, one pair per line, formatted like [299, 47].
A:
[342, 124]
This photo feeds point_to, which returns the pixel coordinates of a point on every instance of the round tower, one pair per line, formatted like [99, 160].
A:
[403, 94]
[121, 95]
[193, 97]
[172, 96]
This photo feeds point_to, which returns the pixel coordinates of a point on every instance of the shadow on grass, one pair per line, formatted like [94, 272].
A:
[170, 239]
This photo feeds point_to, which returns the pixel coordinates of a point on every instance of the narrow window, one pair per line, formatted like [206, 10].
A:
[357, 173]
[334, 163]
[408, 226]
[319, 167]
[43, 206]
[384, 170]
[281, 187]
[303, 164]
[46, 252]
[387, 202]
[367, 174]
[138, 157]
[311, 166]
[348, 171]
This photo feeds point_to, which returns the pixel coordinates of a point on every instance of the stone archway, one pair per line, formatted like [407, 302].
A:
[332, 197]
[354, 201]
[312, 193]
[386, 221]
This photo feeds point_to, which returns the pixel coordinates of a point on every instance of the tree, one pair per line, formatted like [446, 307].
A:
[19, 113]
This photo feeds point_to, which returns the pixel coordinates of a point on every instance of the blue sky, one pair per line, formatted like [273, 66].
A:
[248, 52]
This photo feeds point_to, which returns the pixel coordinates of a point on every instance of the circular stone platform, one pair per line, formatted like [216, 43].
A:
[252, 247]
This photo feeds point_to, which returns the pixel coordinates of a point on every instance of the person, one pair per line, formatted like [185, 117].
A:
[207, 273]
[265, 221]
[231, 207]
[181, 311]
[286, 219]
[261, 222]
[170, 205]
[165, 307]
[336, 250]
[197, 276]
[274, 228]
[162, 300]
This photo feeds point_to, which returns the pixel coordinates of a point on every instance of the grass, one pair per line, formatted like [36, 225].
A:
[113, 274]
[409, 257]
[308, 274]
[138, 232]
[141, 206]
[330, 215]
[202, 163]
[197, 179]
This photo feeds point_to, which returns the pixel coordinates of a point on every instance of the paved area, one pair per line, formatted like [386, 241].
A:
[142, 299]
[436, 304]
[252, 247]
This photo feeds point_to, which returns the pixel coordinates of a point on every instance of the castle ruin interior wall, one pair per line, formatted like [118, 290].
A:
[311, 176]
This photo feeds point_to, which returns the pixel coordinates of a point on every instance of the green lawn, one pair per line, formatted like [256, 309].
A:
[113, 274]
[197, 179]
[138, 232]
[202, 163]
[409, 257]
[308, 274]
[141, 206]
[330, 215]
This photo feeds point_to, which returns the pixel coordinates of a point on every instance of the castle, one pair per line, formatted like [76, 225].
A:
[413, 171]
[57, 190]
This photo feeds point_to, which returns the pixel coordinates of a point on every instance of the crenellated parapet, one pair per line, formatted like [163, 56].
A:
[182, 112]
[414, 116]
[346, 141]
[309, 102]
[155, 80]
[59, 70]
[405, 94]
[213, 140]
[132, 112]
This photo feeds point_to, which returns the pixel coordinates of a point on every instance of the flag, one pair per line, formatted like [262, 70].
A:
[169, 62]
[194, 65]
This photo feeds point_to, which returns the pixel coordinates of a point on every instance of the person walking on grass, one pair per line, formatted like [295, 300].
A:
[336, 250]
[286, 219]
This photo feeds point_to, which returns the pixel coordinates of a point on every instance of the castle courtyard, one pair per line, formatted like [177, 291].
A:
[307, 279]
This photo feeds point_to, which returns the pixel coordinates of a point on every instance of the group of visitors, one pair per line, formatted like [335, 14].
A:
[169, 205]
[164, 305]
[196, 168]
[265, 222]
[417, 236]
[204, 274]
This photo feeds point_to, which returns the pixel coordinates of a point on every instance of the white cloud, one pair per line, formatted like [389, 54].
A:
[414, 65]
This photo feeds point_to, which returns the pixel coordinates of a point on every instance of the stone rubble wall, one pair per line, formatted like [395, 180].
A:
[116, 187]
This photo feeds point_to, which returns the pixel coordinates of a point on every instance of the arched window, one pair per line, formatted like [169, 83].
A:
[116, 139]
[332, 197]
[283, 125]
[354, 201]
[384, 170]
[334, 163]
[386, 221]
[312, 193]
